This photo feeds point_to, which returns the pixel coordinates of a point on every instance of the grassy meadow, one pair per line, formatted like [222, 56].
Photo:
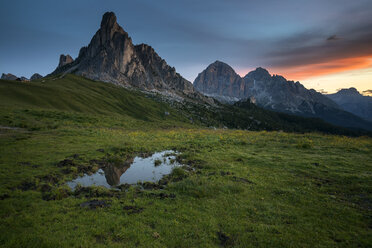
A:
[237, 188]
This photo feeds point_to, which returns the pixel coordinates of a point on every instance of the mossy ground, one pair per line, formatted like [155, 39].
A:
[247, 189]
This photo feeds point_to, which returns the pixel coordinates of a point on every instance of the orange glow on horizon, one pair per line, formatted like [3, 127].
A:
[331, 67]
[329, 76]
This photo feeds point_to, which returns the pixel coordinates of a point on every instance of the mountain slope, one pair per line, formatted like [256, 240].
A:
[76, 94]
[352, 101]
[219, 80]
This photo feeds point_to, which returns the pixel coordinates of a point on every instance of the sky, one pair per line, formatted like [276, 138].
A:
[324, 44]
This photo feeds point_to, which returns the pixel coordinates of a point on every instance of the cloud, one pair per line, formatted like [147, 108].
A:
[333, 37]
[328, 67]
[367, 92]
[311, 54]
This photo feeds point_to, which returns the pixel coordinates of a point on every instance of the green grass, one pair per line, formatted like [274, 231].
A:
[247, 189]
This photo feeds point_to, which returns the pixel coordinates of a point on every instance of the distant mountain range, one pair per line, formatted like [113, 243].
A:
[10, 76]
[354, 102]
[273, 92]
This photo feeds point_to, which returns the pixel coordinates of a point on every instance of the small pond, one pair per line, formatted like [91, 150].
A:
[132, 171]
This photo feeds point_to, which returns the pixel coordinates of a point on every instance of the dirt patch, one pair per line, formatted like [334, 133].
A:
[52, 179]
[225, 173]
[75, 156]
[163, 195]
[241, 179]
[223, 238]
[46, 188]
[89, 192]
[196, 163]
[151, 185]
[4, 196]
[100, 238]
[133, 209]
[27, 185]
[124, 187]
[56, 194]
[93, 204]
[66, 162]
[28, 164]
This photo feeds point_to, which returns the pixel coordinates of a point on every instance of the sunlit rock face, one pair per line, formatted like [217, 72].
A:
[112, 57]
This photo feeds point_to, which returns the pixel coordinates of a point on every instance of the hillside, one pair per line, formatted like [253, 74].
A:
[80, 95]
[58, 99]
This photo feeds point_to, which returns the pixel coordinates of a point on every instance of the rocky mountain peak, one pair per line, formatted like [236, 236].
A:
[351, 100]
[65, 60]
[219, 79]
[36, 76]
[221, 67]
[110, 30]
[259, 74]
[8, 76]
[12, 77]
[112, 57]
[350, 92]
[108, 20]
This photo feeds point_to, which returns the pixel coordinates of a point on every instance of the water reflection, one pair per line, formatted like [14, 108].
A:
[113, 172]
[131, 171]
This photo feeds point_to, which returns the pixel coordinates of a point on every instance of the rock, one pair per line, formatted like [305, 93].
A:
[8, 76]
[23, 79]
[112, 57]
[219, 79]
[36, 76]
[65, 60]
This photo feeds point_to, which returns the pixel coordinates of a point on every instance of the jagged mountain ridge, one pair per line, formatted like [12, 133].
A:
[12, 77]
[352, 101]
[112, 57]
[272, 92]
